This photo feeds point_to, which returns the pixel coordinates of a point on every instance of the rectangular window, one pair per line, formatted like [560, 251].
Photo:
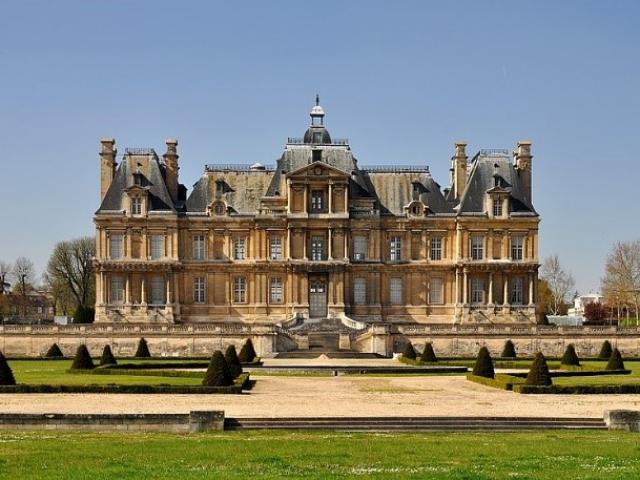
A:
[157, 246]
[435, 292]
[395, 291]
[436, 248]
[116, 294]
[477, 247]
[316, 155]
[198, 247]
[516, 291]
[157, 291]
[115, 245]
[317, 248]
[360, 291]
[517, 243]
[239, 248]
[477, 290]
[317, 200]
[136, 206]
[395, 248]
[359, 247]
[240, 290]
[198, 290]
[276, 247]
[276, 290]
[497, 207]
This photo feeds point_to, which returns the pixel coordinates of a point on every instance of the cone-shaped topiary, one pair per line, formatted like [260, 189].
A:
[409, 352]
[107, 357]
[615, 361]
[484, 364]
[218, 374]
[232, 360]
[509, 350]
[428, 355]
[247, 352]
[82, 360]
[54, 352]
[570, 356]
[605, 351]
[143, 349]
[6, 375]
[539, 371]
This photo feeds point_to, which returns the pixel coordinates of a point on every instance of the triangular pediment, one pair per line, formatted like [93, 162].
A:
[319, 169]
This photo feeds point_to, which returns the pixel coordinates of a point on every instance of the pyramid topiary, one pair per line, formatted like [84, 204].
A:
[428, 355]
[107, 357]
[143, 349]
[570, 356]
[218, 374]
[484, 364]
[54, 352]
[409, 352]
[247, 352]
[605, 351]
[6, 375]
[232, 360]
[539, 371]
[82, 360]
[615, 361]
[509, 350]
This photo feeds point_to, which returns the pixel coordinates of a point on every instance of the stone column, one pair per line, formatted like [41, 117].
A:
[345, 253]
[143, 292]
[457, 295]
[505, 293]
[330, 198]
[465, 287]
[127, 289]
[168, 284]
[306, 206]
[330, 242]
[490, 296]
[531, 289]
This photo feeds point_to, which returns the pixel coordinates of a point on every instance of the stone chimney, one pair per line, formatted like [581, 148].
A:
[459, 168]
[107, 164]
[171, 162]
[522, 159]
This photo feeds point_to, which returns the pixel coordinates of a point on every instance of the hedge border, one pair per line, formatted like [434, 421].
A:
[501, 381]
[578, 389]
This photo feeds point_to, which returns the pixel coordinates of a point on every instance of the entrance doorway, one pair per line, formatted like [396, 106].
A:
[317, 296]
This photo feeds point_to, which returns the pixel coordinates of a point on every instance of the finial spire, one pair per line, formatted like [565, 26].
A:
[317, 100]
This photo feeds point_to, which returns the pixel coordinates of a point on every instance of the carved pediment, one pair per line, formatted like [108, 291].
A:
[318, 170]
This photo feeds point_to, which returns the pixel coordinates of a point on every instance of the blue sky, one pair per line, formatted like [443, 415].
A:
[401, 80]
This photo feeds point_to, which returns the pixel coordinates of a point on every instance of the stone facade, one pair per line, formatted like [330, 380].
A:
[316, 236]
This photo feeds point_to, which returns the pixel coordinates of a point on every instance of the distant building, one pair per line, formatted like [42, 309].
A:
[317, 235]
[37, 306]
[581, 301]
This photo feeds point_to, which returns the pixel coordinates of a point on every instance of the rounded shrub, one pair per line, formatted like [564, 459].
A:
[570, 356]
[409, 352]
[605, 351]
[428, 355]
[143, 349]
[54, 352]
[615, 361]
[231, 357]
[82, 360]
[218, 374]
[539, 371]
[509, 350]
[484, 364]
[84, 314]
[247, 352]
[6, 375]
[107, 357]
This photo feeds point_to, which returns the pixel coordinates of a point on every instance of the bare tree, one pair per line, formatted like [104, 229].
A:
[560, 282]
[70, 267]
[621, 281]
[5, 271]
[24, 275]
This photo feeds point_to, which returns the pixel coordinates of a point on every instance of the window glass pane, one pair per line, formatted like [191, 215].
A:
[517, 242]
[198, 247]
[359, 247]
[360, 291]
[198, 289]
[240, 290]
[276, 247]
[117, 290]
[157, 246]
[436, 291]
[276, 290]
[317, 248]
[516, 291]
[136, 206]
[157, 291]
[497, 207]
[395, 293]
[436, 248]
[317, 200]
[477, 247]
[477, 290]
[115, 245]
[239, 249]
[395, 248]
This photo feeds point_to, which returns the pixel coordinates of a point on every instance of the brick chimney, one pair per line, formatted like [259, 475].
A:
[171, 162]
[459, 168]
[107, 164]
[522, 159]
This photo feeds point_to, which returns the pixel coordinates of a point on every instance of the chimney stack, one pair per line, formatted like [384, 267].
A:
[522, 159]
[171, 163]
[107, 164]
[459, 168]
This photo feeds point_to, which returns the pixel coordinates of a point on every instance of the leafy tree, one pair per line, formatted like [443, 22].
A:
[143, 349]
[605, 350]
[428, 355]
[232, 360]
[54, 352]
[615, 362]
[621, 282]
[6, 375]
[107, 357]
[247, 352]
[560, 282]
[82, 360]
[539, 371]
[24, 274]
[218, 374]
[570, 356]
[5, 272]
[509, 350]
[409, 352]
[484, 364]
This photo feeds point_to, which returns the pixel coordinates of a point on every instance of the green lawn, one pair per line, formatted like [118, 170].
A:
[318, 455]
[54, 372]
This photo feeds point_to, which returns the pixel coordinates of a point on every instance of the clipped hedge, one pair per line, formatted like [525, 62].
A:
[82, 360]
[247, 352]
[107, 356]
[570, 357]
[428, 355]
[605, 350]
[54, 352]
[409, 352]
[578, 389]
[615, 362]
[6, 374]
[484, 364]
[509, 350]
[218, 373]
[539, 371]
[158, 365]
[501, 381]
[232, 360]
[143, 349]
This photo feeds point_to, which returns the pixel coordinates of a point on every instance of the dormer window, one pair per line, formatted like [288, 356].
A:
[316, 155]
[136, 206]
[497, 207]
[317, 200]
[219, 208]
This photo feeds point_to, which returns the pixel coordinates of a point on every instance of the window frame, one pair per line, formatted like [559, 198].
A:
[198, 246]
[156, 290]
[357, 242]
[517, 251]
[435, 253]
[240, 290]
[360, 291]
[497, 208]
[136, 206]
[116, 299]
[120, 253]
[199, 289]
[477, 291]
[395, 291]
[156, 251]
[516, 291]
[477, 247]
[276, 290]
[318, 244]
[240, 248]
[275, 247]
[439, 282]
[317, 201]
[395, 248]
